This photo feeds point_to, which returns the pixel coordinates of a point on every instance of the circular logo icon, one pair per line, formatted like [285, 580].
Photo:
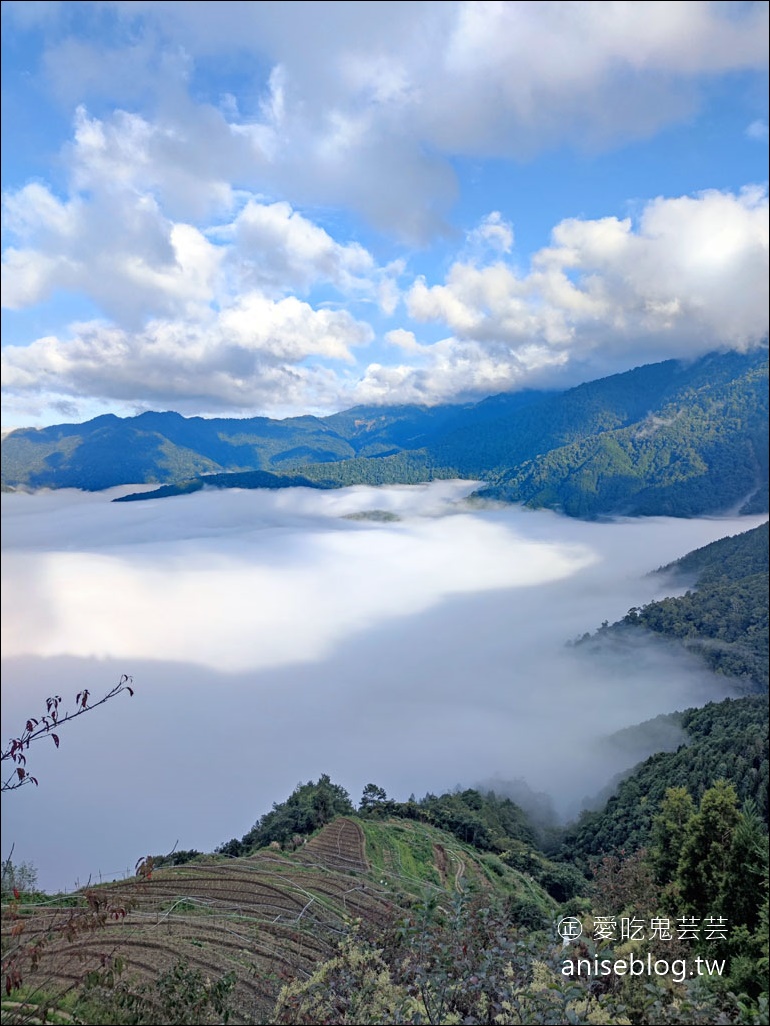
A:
[569, 928]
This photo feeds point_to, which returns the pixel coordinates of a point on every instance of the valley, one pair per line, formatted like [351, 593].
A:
[547, 678]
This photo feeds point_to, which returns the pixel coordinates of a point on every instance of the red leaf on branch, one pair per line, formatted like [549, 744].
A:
[55, 739]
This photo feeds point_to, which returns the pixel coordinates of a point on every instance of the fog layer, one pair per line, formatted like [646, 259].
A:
[272, 638]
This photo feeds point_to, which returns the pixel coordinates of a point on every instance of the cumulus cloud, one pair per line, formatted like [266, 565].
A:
[689, 276]
[191, 158]
[453, 369]
[115, 237]
[247, 356]
[173, 226]
[404, 340]
[367, 108]
[202, 314]
[494, 233]
[117, 247]
[274, 248]
[292, 641]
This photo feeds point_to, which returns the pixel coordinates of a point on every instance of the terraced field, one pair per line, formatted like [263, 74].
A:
[340, 845]
[271, 917]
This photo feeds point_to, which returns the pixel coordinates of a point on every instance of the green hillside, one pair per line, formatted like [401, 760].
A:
[670, 438]
[700, 446]
[724, 617]
[726, 740]
[733, 558]
[245, 479]
[382, 917]
[267, 918]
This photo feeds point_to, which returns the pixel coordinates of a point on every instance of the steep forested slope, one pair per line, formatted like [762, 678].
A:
[724, 618]
[727, 740]
[699, 446]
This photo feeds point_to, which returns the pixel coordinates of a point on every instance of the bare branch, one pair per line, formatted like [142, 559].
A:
[47, 726]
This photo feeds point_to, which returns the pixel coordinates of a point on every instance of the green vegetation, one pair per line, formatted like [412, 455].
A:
[733, 558]
[377, 516]
[253, 922]
[466, 963]
[727, 740]
[307, 808]
[726, 624]
[382, 917]
[444, 909]
[180, 996]
[724, 619]
[246, 479]
[668, 438]
[703, 449]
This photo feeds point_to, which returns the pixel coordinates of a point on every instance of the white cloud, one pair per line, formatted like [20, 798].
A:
[494, 232]
[250, 356]
[692, 275]
[189, 158]
[117, 247]
[364, 107]
[27, 276]
[455, 369]
[404, 340]
[114, 239]
[758, 131]
[275, 249]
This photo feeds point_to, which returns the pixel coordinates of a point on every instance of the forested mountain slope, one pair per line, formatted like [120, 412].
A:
[699, 446]
[724, 617]
[670, 438]
[166, 447]
[727, 740]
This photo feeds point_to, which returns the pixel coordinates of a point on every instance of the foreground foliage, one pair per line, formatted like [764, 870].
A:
[469, 964]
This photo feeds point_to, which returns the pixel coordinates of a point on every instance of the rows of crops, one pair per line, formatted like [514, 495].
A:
[272, 917]
[340, 845]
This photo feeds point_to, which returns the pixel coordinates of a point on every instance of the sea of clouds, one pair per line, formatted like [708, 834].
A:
[275, 636]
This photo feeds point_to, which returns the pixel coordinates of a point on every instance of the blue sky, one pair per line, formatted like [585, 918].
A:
[277, 208]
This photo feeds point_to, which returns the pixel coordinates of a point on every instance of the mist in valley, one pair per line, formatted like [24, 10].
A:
[275, 636]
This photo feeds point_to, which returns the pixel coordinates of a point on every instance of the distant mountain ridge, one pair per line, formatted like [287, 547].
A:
[670, 438]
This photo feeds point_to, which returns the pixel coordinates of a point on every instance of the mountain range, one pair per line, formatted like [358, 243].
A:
[671, 438]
